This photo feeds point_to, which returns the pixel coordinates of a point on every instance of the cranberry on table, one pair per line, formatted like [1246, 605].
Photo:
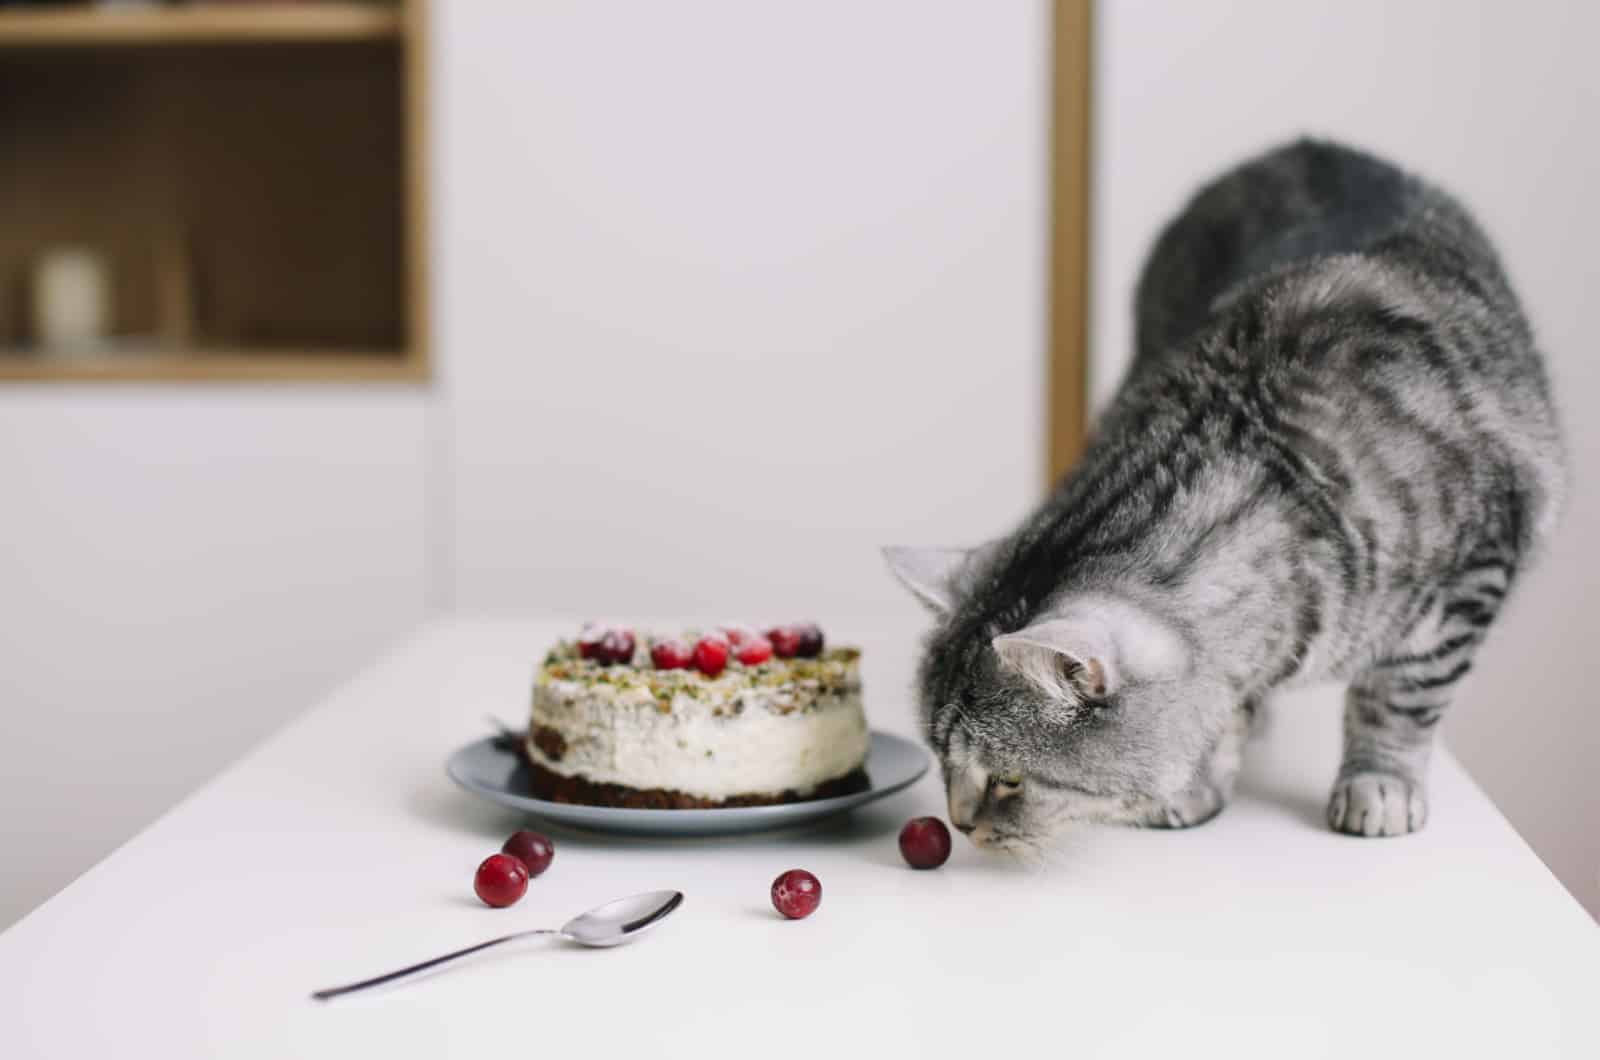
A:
[785, 641]
[737, 635]
[501, 880]
[810, 640]
[671, 654]
[711, 655]
[532, 849]
[925, 843]
[796, 894]
[754, 651]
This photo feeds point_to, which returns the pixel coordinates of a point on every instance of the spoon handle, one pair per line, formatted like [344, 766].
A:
[401, 973]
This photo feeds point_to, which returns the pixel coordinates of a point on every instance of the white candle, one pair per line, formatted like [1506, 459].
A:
[71, 298]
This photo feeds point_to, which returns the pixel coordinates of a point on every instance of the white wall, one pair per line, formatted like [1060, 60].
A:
[732, 294]
[1498, 102]
[184, 569]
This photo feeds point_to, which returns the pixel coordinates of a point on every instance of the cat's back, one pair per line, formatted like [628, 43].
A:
[1295, 207]
[1360, 319]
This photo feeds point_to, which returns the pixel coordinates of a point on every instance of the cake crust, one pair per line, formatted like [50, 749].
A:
[553, 787]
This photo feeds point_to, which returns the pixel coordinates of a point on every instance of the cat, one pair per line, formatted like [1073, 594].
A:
[1334, 454]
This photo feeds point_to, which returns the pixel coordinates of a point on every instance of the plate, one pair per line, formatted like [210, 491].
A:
[499, 775]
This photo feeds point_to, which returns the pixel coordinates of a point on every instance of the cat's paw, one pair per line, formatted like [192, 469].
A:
[1377, 804]
[1195, 806]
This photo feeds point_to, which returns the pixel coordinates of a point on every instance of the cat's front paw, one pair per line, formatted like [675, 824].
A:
[1377, 804]
[1195, 806]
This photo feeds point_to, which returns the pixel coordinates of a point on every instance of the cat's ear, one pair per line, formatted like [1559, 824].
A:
[1092, 647]
[937, 576]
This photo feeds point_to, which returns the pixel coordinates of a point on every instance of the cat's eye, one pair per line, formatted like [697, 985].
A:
[1009, 780]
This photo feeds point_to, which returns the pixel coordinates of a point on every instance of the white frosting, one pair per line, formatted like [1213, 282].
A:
[729, 739]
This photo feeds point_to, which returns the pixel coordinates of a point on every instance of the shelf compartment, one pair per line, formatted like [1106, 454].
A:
[251, 201]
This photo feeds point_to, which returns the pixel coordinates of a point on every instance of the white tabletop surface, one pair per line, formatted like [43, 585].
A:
[339, 848]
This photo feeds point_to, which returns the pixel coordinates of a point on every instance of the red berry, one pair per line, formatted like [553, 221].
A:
[785, 641]
[755, 651]
[810, 640]
[737, 635]
[711, 654]
[591, 640]
[796, 894]
[617, 646]
[532, 849]
[925, 843]
[605, 644]
[501, 880]
[671, 654]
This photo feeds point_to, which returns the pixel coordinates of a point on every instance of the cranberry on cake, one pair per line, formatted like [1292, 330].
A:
[729, 717]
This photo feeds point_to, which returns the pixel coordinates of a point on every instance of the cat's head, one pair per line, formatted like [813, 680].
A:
[1093, 709]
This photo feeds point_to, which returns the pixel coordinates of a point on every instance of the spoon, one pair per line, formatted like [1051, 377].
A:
[607, 925]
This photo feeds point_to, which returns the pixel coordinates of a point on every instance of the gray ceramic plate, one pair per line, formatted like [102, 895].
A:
[499, 775]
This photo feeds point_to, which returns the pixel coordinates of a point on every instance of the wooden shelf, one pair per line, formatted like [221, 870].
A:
[263, 23]
[222, 366]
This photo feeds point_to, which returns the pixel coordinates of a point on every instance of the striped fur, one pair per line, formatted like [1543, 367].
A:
[1335, 452]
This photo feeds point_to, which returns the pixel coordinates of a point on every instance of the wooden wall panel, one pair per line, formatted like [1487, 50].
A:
[1069, 235]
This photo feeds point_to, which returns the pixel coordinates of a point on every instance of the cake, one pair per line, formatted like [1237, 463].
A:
[725, 718]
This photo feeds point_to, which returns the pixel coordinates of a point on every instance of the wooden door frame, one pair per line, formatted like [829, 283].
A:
[1068, 308]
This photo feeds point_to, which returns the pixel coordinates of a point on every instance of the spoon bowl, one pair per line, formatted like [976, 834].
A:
[617, 922]
[607, 925]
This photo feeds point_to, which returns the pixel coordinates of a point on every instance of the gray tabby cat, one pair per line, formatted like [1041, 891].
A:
[1335, 452]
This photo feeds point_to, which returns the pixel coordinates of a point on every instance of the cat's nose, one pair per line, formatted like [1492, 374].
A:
[963, 816]
[965, 796]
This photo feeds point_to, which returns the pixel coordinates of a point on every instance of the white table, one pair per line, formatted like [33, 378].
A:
[339, 848]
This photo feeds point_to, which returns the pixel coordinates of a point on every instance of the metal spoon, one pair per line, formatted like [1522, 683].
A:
[608, 925]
